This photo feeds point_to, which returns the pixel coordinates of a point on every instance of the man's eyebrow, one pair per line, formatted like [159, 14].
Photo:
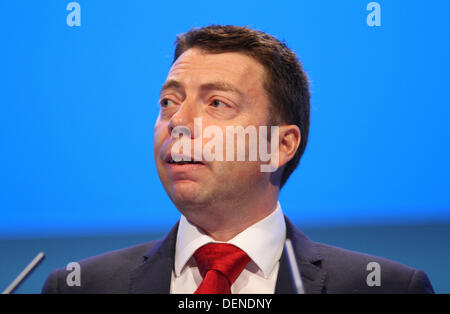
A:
[171, 84]
[221, 86]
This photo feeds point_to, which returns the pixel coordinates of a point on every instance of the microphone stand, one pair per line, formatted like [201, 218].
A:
[19, 279]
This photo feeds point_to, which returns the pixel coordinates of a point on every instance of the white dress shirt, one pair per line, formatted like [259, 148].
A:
[263, 242]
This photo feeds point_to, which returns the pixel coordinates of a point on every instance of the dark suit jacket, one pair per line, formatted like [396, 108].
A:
[147, 268]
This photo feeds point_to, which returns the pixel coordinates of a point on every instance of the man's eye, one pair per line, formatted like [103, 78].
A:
[218, 104]
[165, 102]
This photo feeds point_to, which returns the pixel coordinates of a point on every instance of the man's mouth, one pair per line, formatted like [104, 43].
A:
[184, 162]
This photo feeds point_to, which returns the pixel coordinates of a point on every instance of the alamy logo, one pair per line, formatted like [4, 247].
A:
[374, 17]
[258, 142]
[374, 277]
[74, 17]
[74, 277]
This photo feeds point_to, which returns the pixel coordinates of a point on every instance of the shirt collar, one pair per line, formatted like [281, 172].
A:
[263, 242]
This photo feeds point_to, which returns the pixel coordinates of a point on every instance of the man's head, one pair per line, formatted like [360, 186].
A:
[228, 75]
[285, 82]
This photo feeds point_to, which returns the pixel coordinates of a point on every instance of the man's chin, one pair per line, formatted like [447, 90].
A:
[186, 193]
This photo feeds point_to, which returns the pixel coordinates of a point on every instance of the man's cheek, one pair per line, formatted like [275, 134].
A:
[157, 141]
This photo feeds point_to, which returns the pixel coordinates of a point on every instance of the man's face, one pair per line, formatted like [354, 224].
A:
[223, 90]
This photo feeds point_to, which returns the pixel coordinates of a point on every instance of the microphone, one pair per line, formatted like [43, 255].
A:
[19, 279]
[293, 267]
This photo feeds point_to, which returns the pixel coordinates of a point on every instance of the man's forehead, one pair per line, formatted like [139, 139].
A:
[231, 68]
[235, 64]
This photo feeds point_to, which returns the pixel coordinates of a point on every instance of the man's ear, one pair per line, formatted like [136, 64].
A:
[289, 141]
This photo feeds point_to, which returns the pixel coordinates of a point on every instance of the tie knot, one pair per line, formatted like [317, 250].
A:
[222, 257]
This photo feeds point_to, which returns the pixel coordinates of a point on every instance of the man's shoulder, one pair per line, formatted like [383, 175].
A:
[340, 256]
[109, 261]
[101, 273]
[355, 272]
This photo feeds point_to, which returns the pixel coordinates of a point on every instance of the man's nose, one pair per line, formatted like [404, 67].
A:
[184, 117]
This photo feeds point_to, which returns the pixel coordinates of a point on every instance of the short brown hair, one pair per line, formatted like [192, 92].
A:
[286, 83]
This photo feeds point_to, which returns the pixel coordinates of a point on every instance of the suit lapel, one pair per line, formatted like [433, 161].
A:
[155, 273]
[308, 260]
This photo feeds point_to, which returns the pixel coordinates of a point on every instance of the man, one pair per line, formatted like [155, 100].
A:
[231, 235]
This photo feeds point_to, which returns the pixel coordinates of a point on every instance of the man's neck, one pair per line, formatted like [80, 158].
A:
[222, 223]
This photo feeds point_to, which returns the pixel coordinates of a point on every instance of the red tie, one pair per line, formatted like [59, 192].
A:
[219, 264]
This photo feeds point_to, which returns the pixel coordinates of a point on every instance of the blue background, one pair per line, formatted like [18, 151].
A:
[78, 106]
